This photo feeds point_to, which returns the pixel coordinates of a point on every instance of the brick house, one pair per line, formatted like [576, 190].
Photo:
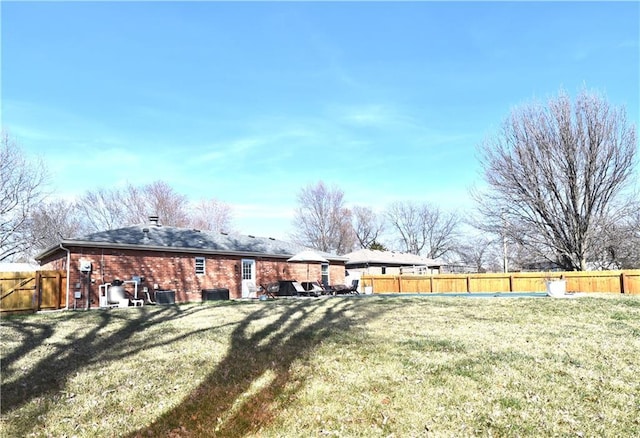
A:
[186, 261]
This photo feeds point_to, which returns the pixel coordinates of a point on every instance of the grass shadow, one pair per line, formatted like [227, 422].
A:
[256, 378]
[86, 346]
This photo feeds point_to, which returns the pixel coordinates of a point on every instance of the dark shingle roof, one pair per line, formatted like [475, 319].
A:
[154, 237]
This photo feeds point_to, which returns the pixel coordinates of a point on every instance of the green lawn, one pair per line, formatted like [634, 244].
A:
[374, 366]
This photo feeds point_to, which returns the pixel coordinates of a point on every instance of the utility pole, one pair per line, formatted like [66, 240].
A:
[505, 263]
[504, 252]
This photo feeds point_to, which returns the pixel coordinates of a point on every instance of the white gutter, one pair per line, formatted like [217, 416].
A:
[68, 273]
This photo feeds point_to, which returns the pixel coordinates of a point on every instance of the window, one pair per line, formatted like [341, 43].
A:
[199, 265]
[247, 269]
[383, 269]
[325, 274]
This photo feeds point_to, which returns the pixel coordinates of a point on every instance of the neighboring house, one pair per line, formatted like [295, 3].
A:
[373, 262]
[186, 261]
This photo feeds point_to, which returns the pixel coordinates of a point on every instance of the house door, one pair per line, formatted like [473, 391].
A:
[248, 278]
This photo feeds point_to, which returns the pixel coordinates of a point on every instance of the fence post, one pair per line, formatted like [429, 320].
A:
[468, 283]
[399, 283]
[37, 291]
[431, 283]
[58, 290]
[623, 285]
[510, 283]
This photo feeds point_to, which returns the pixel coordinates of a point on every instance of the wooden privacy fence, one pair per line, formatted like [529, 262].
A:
[626, 282]
[32, 291]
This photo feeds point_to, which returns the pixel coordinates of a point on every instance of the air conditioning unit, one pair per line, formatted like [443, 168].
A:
[85, 266]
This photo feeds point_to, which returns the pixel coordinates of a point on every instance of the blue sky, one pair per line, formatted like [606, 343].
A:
[249, 102]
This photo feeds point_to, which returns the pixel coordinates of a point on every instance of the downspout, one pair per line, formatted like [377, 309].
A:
[68, 273]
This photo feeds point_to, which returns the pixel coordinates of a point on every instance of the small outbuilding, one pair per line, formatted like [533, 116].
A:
[154, 258]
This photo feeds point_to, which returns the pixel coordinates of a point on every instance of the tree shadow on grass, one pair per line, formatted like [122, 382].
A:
[257, 377]
[245, 391]
[83, 347]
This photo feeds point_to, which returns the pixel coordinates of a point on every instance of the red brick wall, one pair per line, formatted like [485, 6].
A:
[272, 271]
[176, 271]
[269, 271]
[336, 274]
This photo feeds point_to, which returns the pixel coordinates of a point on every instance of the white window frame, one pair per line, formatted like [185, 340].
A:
[201, 266]
[324, 274]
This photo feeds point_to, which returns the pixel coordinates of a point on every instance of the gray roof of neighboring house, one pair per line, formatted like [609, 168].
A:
[375, 257]
[163, 238]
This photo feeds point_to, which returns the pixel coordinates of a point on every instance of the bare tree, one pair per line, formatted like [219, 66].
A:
[476, 252]
[53, 221]
[103, 209]
[405, 218]
[441, 232]
[106, 209]
[367, 226]
[211, 214]
[556, 174]
[321, 220]
[162, 200]
[136, 205]
[423, 229]
[21, 189]
[618, 242]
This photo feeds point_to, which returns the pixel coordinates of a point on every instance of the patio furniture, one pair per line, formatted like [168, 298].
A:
[343, 289]
[291, 288]
[299, 289]
[252, 290]
[270, 289]
[314, 288]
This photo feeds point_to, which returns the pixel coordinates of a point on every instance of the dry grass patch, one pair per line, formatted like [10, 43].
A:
[329, 367]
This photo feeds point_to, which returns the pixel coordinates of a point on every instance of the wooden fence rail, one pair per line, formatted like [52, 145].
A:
[32, 291]
[626, 282]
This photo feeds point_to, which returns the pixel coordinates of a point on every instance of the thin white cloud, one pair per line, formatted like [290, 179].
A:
[26, 134]
[229, 150]
[372, 115]
[53, 123]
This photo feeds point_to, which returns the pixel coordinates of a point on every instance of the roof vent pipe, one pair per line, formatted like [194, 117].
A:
[153, 220]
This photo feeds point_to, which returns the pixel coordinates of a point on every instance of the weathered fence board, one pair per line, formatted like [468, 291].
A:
[627, 282]
[32, 291]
